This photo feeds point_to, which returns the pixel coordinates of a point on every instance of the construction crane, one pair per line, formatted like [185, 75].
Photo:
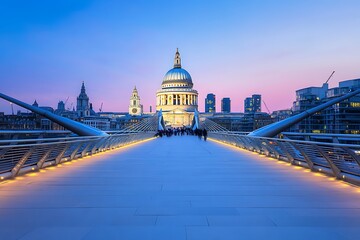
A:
[100, 109]
[66, 101]
[266, 106]
[69, 108]
[330, 77]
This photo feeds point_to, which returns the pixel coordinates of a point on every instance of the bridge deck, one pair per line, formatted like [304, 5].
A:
[178, 188]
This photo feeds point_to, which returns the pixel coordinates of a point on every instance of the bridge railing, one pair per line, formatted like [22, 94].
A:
[323, 137]
[339, 160]
[20, 156]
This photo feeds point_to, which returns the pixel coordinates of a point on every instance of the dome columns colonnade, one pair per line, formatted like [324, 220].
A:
[177, 99]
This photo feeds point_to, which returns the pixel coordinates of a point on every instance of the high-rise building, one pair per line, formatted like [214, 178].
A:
[252, 104]
[135, 108]
[344, 117]
[61, 106]
[307, 98]
[248, 105]
[210, 103]
[256, 102]
[225, 105]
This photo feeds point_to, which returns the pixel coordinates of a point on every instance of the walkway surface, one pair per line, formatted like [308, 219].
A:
[178, 188]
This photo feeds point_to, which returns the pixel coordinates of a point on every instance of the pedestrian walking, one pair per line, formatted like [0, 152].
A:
[204, 132]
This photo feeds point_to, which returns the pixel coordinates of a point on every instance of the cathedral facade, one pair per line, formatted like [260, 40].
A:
[177, 99]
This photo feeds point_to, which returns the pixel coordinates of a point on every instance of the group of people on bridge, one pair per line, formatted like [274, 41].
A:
[200, 133]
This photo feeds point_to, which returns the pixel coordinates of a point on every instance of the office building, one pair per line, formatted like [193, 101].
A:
[248, 105]
[210, 103]
[225, 105]
[252, 104]
[341, 118]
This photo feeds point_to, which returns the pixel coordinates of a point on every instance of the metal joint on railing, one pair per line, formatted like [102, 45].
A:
[21, 162]
[336, 171]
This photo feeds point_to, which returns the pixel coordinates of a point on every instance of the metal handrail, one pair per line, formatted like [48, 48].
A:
[321, 134]
[339, 160]
[20, 156]
[33, 131]
[46, 139]
[295, 141]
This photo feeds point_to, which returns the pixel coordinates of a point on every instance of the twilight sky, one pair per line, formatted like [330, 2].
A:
[232, 48]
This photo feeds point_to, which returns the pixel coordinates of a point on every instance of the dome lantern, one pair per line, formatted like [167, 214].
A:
[177, 60]
[177, 77]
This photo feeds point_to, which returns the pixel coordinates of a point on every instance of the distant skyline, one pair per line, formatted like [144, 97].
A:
[231, 48]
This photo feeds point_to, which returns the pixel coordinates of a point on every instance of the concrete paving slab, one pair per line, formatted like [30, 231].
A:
[178, 188]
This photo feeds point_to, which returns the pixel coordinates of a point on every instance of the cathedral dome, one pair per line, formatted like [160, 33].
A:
[177, 77]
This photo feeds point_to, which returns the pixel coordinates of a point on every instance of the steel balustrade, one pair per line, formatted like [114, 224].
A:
[210, 125]
[323, 137]
[31, 134]
[339, 160]
[20, 156]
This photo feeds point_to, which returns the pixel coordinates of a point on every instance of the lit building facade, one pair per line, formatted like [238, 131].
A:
[27, 121]
[242, 122]
[256, 103]
[248, 105]
[252, 104]
[177, 99]
[279, 115]
[307, 98]
[344, 117]
[101, 123]
[341, 118]
[210, 103]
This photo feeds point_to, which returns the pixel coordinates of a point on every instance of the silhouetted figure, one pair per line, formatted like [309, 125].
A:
[199, 134]
[204, 132]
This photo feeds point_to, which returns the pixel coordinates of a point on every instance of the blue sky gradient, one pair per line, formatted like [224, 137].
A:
[231, 48]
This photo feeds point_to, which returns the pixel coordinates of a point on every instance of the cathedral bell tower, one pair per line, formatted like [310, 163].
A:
[135, 108]
[82, 106]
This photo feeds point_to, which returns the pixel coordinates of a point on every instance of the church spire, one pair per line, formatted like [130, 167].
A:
[177, 60]
[135, 92]
[83, 87]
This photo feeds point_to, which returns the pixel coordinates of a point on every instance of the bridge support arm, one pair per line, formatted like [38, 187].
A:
[74, 126]
[275, 128]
